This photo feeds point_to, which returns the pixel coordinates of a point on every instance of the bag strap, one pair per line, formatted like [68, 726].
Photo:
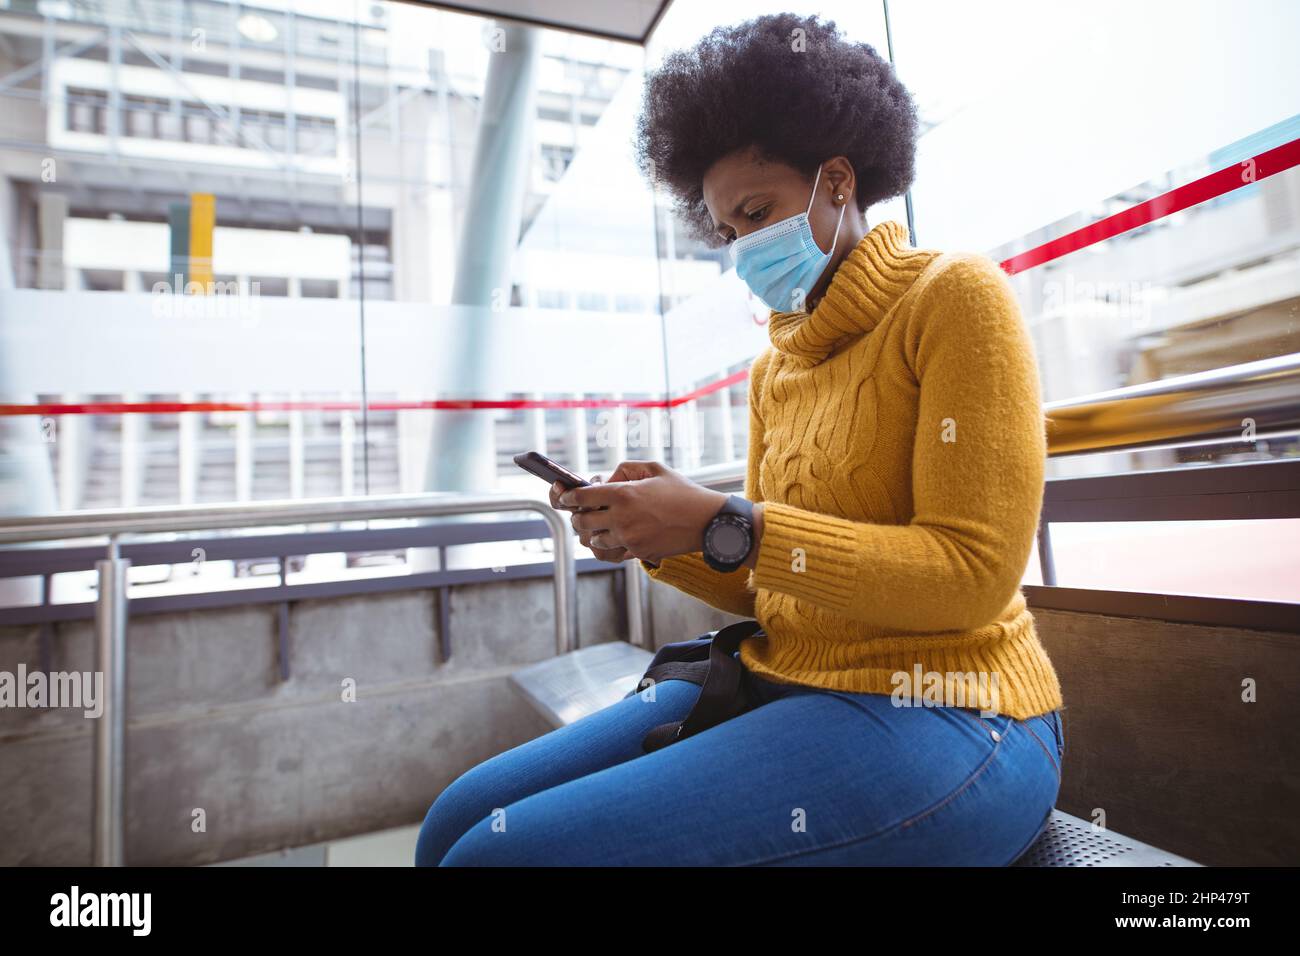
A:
[683, 660]
[692, 671]
[721, 694]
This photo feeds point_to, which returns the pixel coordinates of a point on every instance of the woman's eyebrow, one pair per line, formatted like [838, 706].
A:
[739, 211]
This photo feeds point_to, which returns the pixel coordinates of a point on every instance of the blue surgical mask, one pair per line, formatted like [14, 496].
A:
[782, 262]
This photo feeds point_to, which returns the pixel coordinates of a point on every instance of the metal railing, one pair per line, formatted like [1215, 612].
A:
[108, 835]
[1260, 398]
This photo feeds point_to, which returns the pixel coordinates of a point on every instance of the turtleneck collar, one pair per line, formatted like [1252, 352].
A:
[869, 281]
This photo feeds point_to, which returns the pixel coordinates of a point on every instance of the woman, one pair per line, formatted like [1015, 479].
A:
[895, 466]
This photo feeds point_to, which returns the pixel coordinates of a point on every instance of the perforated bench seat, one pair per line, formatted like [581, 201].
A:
[1069, 841]
[569, 687]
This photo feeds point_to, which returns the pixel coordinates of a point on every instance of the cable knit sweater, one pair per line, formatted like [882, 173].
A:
[897, 442]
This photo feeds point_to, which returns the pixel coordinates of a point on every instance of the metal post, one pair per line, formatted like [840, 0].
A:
[577, 432]
[297, 451]
[290, 84]
[235, 49]
[617, 432]
[47, 60]
[535, 425]
[722, 418]
[26, 477]
[462, 450]
[245, 424]
[1045, 559]
[566, 583]
[889, 44]
[108, 834]
[114, 118]
[638, 629]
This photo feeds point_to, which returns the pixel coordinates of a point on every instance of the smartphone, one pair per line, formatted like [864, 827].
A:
[548, 470]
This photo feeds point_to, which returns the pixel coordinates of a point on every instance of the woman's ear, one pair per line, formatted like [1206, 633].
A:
[838, 171]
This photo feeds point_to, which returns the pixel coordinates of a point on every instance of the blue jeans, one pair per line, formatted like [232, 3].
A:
[808, 777]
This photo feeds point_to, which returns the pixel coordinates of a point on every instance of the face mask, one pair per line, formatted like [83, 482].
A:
[782, 262]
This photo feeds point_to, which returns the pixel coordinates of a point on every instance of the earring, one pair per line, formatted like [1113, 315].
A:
[840, 197]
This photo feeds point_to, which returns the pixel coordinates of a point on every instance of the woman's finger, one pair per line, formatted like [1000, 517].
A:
[590, 541]
[595, 480]
[590, 520]
[557, 489]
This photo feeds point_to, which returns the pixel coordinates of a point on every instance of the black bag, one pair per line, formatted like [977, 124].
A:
[710, 663]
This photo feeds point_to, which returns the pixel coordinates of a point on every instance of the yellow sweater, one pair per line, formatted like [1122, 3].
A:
[897, 441]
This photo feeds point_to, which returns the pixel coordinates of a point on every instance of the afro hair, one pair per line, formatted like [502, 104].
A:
[791, 87]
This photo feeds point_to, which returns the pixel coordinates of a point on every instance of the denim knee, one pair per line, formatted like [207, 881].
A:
[487, 843]
[433, 839]
[452, 813]
[472, 848]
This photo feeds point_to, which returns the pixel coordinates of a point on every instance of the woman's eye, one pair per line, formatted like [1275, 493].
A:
[758, 215]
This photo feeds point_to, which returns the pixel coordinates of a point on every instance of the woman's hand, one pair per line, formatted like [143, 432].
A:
[613, 555]
[645, 509]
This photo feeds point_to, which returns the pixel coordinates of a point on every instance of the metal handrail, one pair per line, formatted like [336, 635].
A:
[109, 820]
[116, 522]
[184, 518]
[1205, 406]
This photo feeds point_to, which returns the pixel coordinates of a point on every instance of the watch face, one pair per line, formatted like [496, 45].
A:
[728, 538]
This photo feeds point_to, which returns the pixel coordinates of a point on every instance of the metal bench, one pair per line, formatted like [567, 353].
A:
[571, 686]
[1069, 841]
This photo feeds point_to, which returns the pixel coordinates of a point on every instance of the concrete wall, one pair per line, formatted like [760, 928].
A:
[272, 764]
[1161, 737]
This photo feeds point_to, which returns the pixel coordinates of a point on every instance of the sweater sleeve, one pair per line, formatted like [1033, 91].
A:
[689, 573]
[978, 464]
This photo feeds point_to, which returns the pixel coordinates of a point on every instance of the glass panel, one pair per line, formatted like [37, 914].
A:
[479, 349]
[160, 226]
[339, 326]
[1035, 111]
[1194, 285]
[1254, 560]
[255, 393]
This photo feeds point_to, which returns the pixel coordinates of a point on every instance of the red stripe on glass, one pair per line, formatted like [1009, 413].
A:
[1268, 163]
[173, 408]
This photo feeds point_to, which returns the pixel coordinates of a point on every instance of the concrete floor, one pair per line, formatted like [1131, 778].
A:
[386, 848]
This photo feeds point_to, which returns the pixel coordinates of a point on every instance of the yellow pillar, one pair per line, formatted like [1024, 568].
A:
[203, 221]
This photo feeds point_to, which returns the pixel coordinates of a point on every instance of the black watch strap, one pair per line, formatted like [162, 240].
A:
[737, 514]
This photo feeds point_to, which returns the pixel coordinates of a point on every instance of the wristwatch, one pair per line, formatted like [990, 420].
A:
[729, 535]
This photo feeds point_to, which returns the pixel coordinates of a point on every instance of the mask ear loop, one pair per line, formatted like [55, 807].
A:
[809, 210]
[837, 229]
[814, 192]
